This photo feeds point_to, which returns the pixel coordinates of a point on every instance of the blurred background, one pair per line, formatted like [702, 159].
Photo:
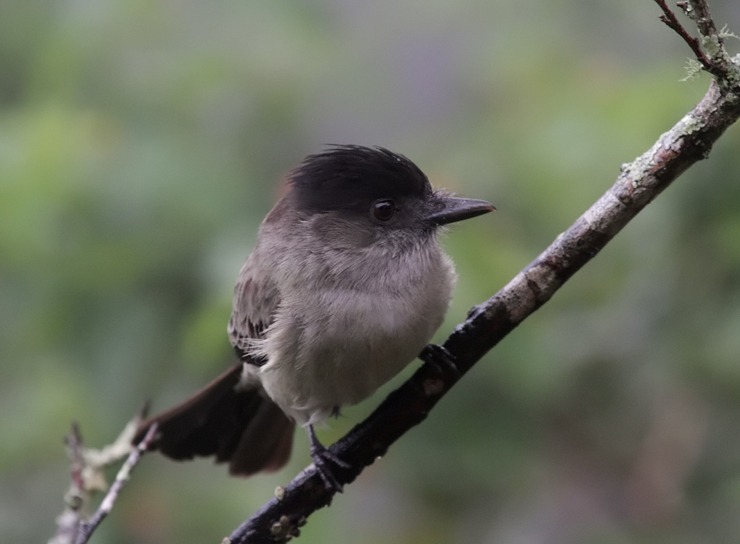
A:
[141, 143]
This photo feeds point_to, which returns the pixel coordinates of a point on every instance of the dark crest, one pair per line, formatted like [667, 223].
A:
[348, 177]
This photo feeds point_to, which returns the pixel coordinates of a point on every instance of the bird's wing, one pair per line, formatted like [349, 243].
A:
[256, 295]
[256, 298]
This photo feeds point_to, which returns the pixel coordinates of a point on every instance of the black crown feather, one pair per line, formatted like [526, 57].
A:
[351, 176]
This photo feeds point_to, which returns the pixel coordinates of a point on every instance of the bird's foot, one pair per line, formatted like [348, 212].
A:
[325, 461]
[441, 359]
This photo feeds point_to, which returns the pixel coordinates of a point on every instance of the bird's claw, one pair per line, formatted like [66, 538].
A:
[323, 459]
[440, 358]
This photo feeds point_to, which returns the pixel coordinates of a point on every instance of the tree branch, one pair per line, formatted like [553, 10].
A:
[638, 183]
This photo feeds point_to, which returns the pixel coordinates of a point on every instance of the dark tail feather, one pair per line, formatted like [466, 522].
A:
[265, 444]
[241, 427]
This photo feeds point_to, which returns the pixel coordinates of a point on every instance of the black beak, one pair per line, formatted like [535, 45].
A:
[449, 209]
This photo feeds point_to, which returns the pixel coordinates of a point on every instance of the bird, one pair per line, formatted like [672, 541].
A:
[346, 286]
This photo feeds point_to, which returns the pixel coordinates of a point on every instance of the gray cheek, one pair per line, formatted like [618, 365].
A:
[342, 234]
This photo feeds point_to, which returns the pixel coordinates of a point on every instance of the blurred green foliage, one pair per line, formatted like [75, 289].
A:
[141, 142]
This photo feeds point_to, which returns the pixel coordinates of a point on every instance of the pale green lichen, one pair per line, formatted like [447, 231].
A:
[733, 72]
[726, 33]
[711, 45]
[693, 69]
[645, 162]
[691, 124]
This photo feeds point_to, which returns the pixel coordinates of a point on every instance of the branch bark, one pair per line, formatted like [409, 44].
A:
[638, 183]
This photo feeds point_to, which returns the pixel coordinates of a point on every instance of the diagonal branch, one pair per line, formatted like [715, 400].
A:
[638, 183]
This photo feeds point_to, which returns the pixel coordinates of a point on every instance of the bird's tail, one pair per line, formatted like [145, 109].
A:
[240, 426]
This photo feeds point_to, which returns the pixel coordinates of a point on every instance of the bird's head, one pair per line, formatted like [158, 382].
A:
[376, 189]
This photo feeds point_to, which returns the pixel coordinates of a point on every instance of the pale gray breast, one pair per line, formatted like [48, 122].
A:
[343, 334]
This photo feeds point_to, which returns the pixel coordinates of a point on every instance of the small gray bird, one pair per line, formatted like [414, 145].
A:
[346, 286]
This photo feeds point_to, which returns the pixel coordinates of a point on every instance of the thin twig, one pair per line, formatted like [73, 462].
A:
[698, 11]
[68, 521]
[669, 18]
[711, 42]
[87, 528]
[86, 475]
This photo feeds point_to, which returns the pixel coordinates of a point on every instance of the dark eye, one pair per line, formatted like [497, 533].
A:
[384, 210]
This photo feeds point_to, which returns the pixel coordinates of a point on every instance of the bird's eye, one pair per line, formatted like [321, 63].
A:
[384, 210]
